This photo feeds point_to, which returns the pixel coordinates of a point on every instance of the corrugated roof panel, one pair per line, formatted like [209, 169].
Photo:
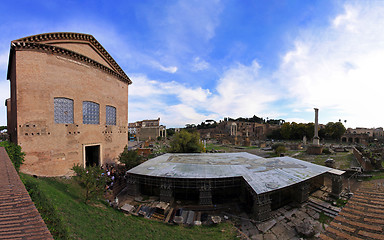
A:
[262, 174]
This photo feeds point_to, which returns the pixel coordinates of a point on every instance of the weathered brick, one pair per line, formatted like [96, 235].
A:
[339, 225]
[325, 237]
[342, 234]
[374, 220]
[17, 219]
[363, 225]
[40, 76]
[349, 215]
[371, 235]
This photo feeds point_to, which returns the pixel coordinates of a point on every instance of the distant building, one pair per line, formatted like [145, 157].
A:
[362, 135]
[147, 129]
[69, 102]
[236, 132]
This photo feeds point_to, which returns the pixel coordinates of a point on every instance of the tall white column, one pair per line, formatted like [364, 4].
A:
[316, 139]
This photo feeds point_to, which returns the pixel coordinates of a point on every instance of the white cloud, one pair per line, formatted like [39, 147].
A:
[296, 120]
[171, 69]
[150, 99]
[239, 92]
[348, 19]
[340, 67]
[199, 64]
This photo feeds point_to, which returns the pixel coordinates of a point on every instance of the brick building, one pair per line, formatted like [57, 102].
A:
[362, 135]
[69, 102]
[238, 132]
[147, 129]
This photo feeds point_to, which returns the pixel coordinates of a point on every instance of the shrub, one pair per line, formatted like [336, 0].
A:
[14, 152]
[280, 149]
[326, 151]
[186, 142]
[92, 179]
[130, 158]
[276, 145]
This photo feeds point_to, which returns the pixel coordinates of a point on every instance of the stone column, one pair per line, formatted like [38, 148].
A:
[316, 139]
[261, 207]
[133, 186]
[205, 196]
[166, 193]
[337, 185]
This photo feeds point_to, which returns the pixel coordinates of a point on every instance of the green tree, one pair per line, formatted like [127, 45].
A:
[91, 179]
[338, 130]
[334, 130]
[14, 152]
[130, 158]
[286, 131]
[170, 132]
[2, 128]
[186, 142]
[310, 130]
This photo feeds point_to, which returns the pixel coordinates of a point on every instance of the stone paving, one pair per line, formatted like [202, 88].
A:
[284, 224]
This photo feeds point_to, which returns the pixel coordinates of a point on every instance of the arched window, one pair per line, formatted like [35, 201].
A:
[63, 110]
[91, 113]
[110, 113]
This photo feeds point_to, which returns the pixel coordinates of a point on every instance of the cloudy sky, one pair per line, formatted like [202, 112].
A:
[192, 60]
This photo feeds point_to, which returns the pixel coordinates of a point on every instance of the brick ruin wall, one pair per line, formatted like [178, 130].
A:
[52, 149]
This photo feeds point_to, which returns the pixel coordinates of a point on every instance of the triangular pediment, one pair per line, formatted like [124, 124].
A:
[79, 43]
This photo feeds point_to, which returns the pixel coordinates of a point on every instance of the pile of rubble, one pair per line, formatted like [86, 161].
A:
[162, 211]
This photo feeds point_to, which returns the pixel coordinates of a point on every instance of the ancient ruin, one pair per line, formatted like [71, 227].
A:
[147, 129]
[59, 111]
[262, 184]
[316, 148]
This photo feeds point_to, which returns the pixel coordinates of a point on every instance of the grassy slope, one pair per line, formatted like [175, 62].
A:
[96, 221]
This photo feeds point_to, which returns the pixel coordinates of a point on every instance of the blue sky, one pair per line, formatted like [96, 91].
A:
[193, 60]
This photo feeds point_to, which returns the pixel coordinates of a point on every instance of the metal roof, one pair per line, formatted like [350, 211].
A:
[262, 174]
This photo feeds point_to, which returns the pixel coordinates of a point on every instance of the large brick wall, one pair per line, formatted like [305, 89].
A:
[19, 218]
[364, 163]
[37, 77]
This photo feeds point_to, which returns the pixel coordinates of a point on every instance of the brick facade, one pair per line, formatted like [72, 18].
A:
[72, 66]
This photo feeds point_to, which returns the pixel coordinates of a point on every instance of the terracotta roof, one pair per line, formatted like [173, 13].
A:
[19, 218]
[37, 42]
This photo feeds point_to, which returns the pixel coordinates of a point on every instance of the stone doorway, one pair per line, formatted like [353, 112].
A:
[92, 155]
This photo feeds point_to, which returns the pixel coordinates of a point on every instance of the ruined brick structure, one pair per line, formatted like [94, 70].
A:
[238, 132]
[69, 102]
[147, 129]
[362, 135]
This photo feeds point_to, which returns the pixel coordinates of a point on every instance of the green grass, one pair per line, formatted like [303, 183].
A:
[342, 159]
[376, 175]
[211, 146]
[60, 200]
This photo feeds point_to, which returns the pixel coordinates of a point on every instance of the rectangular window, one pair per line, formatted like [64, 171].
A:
[91, 113]
[63, 110]
[110, 115]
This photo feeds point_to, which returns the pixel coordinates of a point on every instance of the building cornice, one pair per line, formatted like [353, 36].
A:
[28, 45]
[32, 42]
